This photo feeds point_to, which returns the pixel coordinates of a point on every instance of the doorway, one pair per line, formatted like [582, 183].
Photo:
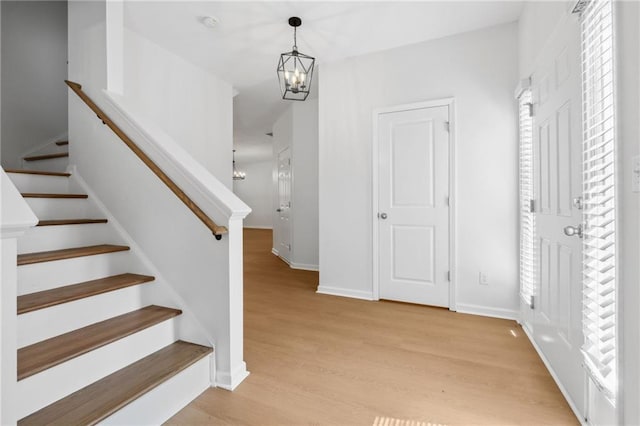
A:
[412, 203]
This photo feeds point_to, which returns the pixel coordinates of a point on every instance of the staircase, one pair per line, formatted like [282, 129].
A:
[90, 349]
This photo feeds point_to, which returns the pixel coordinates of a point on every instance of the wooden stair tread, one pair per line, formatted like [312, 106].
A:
[37, 172]
[101, 399]
[44, 299]
[46, 156]
[40, 356]
[55, 222]
[48, 195]
[52, 255]
[62, 143]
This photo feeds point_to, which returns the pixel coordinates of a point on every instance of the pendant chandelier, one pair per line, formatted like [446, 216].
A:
[295, 69]
[237, 175]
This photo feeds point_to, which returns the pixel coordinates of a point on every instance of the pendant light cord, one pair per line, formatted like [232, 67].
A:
[295, 38]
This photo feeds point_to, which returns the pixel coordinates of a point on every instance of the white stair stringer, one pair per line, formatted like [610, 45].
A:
[38, 391]
[47, 275]
[55, 237]
[40, 183]
[45, 323]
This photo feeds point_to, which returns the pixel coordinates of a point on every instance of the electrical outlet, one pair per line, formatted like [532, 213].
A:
[483, 279]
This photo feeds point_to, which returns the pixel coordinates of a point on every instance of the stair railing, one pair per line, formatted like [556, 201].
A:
[217, 230]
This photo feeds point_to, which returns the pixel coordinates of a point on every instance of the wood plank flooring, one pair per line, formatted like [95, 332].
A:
[325, 360]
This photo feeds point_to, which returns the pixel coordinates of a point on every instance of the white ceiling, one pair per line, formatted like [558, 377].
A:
[245, 46]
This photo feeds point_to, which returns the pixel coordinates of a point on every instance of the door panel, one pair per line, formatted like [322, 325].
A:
[557, 322]
[413, 192]
[284, 204]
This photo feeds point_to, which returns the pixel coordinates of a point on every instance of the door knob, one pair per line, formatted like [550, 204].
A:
[382, 215]
[278, 210]
[571, 231]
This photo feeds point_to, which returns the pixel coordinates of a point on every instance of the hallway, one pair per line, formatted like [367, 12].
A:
[317, 359]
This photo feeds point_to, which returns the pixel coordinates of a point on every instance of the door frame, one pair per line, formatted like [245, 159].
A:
[375, 162]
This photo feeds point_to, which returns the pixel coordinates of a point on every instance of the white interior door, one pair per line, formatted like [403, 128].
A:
[413, 217]
[284, 205]
[557, 316]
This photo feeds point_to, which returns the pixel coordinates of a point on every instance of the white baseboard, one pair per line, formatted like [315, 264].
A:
[293, 265]
[485, 311]
[304, 266]
[230, 380]
[345, 292]
[258, 227]
[555, 377]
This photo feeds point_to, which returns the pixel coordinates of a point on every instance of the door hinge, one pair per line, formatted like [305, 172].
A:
[448, 275]
[532, 206]
[532, 305]
[447, 126]
[530, 107]
[447, 201]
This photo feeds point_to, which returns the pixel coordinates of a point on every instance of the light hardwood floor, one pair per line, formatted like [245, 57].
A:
[325, 360]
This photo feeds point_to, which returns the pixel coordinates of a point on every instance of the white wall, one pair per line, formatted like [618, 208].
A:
[297, 128]
[34, 58]
[538, 21]
[478, 69]
[190, 104]
[255, 190]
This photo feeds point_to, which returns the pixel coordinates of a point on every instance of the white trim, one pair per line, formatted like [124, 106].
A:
[274, 251]
[486, 311]
[450, 103]
[555, 377]
[304, 266]
[230, 380]
[345, 292]
[257, 227]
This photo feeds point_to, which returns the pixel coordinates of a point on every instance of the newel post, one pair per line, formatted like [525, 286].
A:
[15, 219]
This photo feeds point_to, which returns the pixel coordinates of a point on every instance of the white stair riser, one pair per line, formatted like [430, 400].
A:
[48, 275]
[62, 208]
[43, 238]
[44, 388]
[40, 183]
[45, 323]
[160, 404]
[50, 165]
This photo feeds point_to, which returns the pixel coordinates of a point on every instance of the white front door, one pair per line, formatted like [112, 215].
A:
[284, 205]
[557, 313]
[413, 212]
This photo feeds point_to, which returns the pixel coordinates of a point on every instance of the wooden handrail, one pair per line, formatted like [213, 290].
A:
[217, 230]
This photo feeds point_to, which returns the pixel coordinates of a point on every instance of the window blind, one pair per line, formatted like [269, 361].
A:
[527, 217]
[599, 214]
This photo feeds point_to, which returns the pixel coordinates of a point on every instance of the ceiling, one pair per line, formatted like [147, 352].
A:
[244, 47]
